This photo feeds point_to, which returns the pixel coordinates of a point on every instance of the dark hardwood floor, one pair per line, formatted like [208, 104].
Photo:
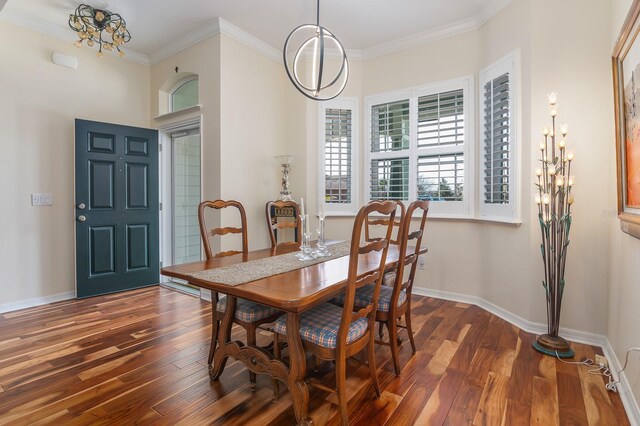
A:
[140, 358]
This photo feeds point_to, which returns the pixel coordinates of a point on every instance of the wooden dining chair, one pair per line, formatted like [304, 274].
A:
[395, 302]
[375, 225]
[333, 333]
[289, 209]
[249, 315]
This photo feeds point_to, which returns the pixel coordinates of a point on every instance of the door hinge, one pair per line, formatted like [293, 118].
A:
[160, 147]
[161, 206]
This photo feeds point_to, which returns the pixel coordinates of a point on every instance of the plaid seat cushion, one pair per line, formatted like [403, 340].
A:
[247, 311]
[365, 294]
[389, 278]
[320, 326]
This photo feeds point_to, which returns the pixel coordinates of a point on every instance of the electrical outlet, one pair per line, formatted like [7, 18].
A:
[44, 199]
[421, 262]
[600, 360]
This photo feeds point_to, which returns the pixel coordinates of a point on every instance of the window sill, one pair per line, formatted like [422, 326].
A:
[445, 217]
[182, 113]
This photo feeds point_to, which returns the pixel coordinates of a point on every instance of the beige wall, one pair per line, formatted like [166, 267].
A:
[40, 101]
[624, 256]
[253, 129]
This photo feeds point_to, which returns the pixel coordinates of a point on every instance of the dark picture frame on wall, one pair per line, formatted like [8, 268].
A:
[626, 85]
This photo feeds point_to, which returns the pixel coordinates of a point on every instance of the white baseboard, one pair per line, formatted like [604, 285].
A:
[624, 389]
[36, 301]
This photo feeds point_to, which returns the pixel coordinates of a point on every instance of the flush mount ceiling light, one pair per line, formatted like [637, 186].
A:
[305, 59]
[106, 29]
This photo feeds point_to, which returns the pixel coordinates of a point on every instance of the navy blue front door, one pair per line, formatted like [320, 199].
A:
[117, 232]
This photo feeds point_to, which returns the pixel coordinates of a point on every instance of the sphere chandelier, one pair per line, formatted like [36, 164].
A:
[320, 79]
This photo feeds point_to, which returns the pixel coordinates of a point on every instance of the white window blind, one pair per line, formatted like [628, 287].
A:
[441, 119]
[390, 126]
[418, 147]
[337, 135]
[441, 177]
[499, 152]
[337, 159]
[496, 140]
[390, 179]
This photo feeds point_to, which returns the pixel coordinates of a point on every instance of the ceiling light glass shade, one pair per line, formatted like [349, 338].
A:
[316, 62]
[101, 27]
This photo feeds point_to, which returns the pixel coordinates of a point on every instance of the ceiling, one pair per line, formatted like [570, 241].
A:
[156, 25]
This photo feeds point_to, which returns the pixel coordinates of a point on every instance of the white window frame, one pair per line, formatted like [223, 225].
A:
[510, 212]
[444, 209]
[338, 209]
[178, 85]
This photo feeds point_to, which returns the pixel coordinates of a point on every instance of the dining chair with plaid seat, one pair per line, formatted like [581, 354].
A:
[333, 333]
[249, 315]
[395, 302]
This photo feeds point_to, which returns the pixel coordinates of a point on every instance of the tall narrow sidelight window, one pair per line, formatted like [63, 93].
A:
[337, 177]
[498, 158]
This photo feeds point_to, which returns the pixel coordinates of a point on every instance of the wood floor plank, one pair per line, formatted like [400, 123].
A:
[140, 357]
[493, 401]
[544, 406]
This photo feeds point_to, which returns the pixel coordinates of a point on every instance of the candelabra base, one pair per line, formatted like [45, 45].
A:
[554, 346]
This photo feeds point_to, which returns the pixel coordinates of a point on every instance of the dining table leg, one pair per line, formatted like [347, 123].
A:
[224, 336]
[297, 369]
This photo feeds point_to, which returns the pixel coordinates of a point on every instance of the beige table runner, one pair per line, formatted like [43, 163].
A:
[244, 272]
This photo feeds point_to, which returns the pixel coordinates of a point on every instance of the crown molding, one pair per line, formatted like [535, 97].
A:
[59, 32]
[420, 38]
[2, 3]
[219, 25]
[186, 41]
[491, 10]
[249, 40]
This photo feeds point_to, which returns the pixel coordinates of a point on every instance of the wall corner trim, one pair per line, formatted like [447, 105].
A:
[624, 389]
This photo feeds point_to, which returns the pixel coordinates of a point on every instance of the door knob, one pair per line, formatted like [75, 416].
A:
[81, 206]
[82, 218]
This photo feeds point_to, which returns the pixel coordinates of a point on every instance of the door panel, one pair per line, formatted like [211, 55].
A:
[117, 232]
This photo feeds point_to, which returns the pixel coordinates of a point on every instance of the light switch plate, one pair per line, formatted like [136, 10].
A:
[44, 199]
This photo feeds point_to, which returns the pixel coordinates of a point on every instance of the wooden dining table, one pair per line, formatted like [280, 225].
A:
[291, 292]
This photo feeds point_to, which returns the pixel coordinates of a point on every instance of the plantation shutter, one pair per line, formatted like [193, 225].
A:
[497, 138]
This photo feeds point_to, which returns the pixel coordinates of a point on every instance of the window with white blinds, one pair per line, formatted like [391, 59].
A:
[337, 156]
[496, 140]
[498, 165]
[337, 134]
[418, 147]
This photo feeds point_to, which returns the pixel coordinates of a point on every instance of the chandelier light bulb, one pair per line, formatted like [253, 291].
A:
[546, 199]
[570, 199]
[78, 43]
[552, 170]
[553, 98]
[564, 130]
[570, 156]
[543, 146]
[561, 144]
[538, 172]
[537, 199]
[554, 112]
[559, 181]
[545, 131]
